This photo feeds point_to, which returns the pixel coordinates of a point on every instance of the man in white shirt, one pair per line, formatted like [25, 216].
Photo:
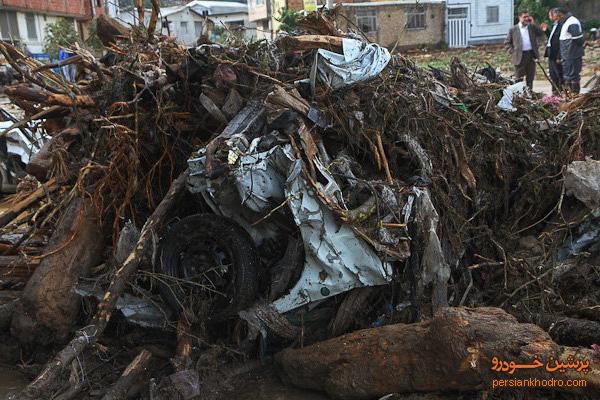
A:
[522, 43]
[553, 52]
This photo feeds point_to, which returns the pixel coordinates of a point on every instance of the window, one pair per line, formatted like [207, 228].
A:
[31, 29]
[9, 29]
[183, 27]
[260, 2]
[197, 28]
[458, 13]
[415, 20]
[98, 3]
[366, 21]
[493, 14]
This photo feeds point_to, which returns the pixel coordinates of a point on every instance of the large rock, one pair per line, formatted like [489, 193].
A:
[582, 180]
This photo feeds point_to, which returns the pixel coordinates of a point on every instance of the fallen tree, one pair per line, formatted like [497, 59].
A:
[452, 351]
[41, 387]
[49, 307]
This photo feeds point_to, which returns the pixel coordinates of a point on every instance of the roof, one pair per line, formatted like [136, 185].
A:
[392, 3]
[212, 7]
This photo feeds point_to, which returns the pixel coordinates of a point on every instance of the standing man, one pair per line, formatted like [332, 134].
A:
[522, 44]
[571, 49]
[553, 52]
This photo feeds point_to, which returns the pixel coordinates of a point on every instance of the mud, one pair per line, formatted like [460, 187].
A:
[11, 380]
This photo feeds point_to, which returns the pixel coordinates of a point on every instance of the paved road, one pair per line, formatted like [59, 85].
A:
[543, 86]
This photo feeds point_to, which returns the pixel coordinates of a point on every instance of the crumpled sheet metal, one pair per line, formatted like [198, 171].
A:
[434, 268]
[258, 177]
[359, 62]
[252, 187]
[336, 259]
[18, 144]
[136, 310]
[582, 180]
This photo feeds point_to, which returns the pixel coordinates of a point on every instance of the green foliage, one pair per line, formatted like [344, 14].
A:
[59, 34]
[93, 41]
[288, 19]
[227, 35]
[538, 9]
[591, 23]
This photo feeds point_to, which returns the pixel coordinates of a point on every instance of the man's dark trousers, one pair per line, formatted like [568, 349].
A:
[556, 74]
[526, 68]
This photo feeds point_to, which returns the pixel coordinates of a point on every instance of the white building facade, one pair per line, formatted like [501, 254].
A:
[471, 22]
[186, 22]
[27, 28]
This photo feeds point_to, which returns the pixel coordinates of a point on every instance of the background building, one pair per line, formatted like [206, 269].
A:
[398, 24]
[261, 13]
[187, 22]
[23, 21]
[472, 22]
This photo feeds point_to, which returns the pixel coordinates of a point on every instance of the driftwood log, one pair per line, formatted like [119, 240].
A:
[453, 351]
[572, 331]
[318, 24]
[49, 306]
[310, 42]
[182, 359]
[134, 371]
[110, 30]
[39, 95]
[41, 387]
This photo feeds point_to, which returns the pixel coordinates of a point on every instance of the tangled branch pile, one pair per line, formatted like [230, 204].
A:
[329, 202]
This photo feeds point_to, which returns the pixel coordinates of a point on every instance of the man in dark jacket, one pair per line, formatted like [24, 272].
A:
[571, 49]
[553, 52]
[522, 44]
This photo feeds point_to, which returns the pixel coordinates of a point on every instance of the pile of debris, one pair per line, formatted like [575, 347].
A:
[192, 209]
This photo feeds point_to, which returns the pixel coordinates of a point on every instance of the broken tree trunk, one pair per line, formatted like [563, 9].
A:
[153, 16]
[110, 30]
[183, 352]
[279, 97]
[134, 371]
[453, 351]
[49, 307]
[572, 331]
[40, 387]
[317, 23]
[310, 42]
